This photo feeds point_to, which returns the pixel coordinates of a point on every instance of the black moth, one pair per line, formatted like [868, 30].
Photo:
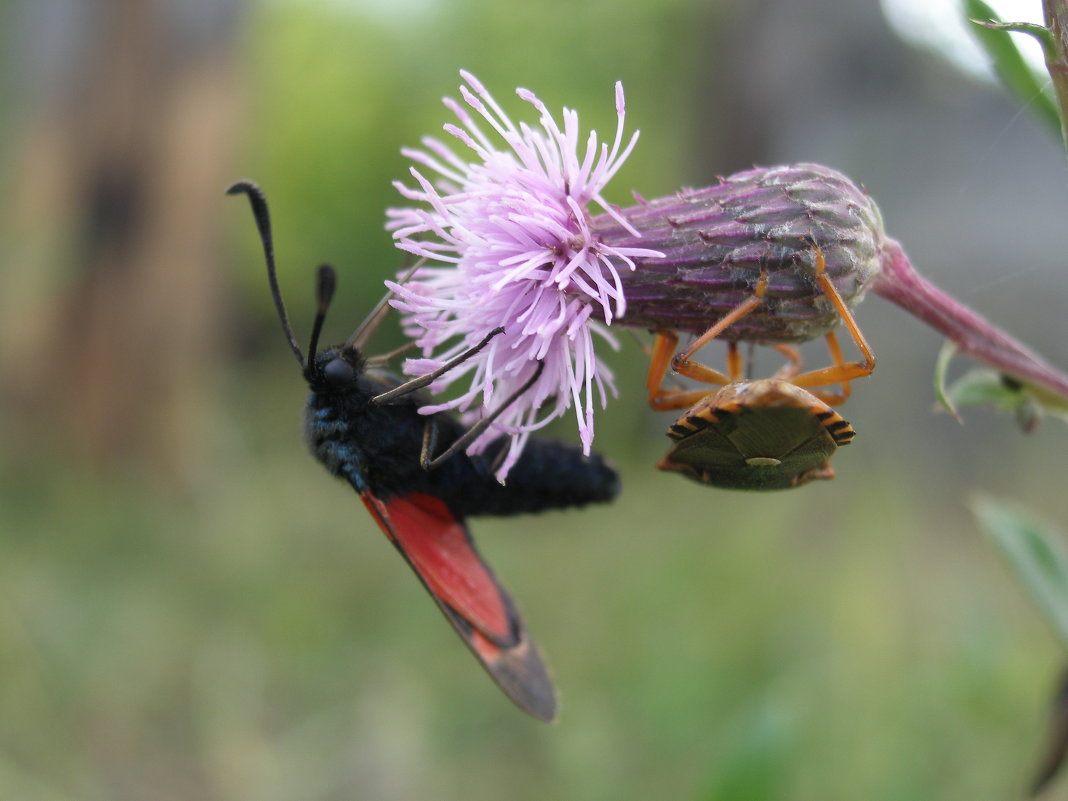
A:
[362, 423]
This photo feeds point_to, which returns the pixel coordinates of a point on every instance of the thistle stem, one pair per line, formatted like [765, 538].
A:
[899, 283]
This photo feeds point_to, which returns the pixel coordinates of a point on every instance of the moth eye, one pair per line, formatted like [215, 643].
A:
[338, 372]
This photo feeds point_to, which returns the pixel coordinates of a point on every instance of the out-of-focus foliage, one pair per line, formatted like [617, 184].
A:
[1009, 64]
[1034, 550]
[1032, 547]
[266, 642]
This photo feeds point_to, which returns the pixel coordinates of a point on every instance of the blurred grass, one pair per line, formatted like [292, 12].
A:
[261, 640]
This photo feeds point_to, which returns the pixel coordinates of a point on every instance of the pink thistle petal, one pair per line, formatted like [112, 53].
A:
[510, 232]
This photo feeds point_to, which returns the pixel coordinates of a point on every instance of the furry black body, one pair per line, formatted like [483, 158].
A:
[377, 448]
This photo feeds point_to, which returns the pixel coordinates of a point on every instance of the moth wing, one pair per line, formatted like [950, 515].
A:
[440, 550]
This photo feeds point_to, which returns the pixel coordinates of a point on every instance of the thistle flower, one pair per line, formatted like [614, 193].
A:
[514, 226]
[515, 244]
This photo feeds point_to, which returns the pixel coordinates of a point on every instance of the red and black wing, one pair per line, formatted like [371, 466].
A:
[438, 547]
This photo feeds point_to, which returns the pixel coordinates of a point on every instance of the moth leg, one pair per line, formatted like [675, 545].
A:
[384, 358]
[430, 442]
[374, 319]
[423, 380]
[474, 432]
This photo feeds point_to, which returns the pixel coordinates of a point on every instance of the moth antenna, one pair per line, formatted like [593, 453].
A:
[263, 225]
[325, 284]
[378, 313]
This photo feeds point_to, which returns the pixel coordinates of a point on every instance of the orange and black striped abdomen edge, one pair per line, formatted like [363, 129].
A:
[840, 430]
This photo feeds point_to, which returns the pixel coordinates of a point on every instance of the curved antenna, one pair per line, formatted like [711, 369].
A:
[263, 224]
[325, 284]
[374, 319]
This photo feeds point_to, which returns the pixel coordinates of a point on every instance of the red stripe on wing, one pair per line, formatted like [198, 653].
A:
[440, 550]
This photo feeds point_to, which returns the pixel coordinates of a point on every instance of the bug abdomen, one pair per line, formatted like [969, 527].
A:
[764, 434]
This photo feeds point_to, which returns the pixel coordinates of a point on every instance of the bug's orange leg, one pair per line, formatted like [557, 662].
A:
[834, 398]
[841, 372]
[793, 366]
[735, 368]
[699, 372]
[658, 362]
[660, 398]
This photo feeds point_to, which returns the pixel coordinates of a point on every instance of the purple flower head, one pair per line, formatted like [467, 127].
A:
[505, 226]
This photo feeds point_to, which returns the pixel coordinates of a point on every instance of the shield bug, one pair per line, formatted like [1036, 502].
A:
[363, 424]
[764, 434]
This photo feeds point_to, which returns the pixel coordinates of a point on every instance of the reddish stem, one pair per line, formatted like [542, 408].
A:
[900, 283]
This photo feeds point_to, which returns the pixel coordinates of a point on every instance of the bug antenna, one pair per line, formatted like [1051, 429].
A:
[325, 284]
[263, 224]
[374, 319]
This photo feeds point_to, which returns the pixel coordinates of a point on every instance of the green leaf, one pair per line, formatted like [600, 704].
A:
[1035, 551]
[1007, 394]
[986, 388]
[945, 356]
[1026, 84]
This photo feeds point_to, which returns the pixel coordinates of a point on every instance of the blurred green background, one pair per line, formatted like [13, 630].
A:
[191, 609]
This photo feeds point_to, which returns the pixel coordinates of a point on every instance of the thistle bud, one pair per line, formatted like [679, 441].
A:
[718, 240]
